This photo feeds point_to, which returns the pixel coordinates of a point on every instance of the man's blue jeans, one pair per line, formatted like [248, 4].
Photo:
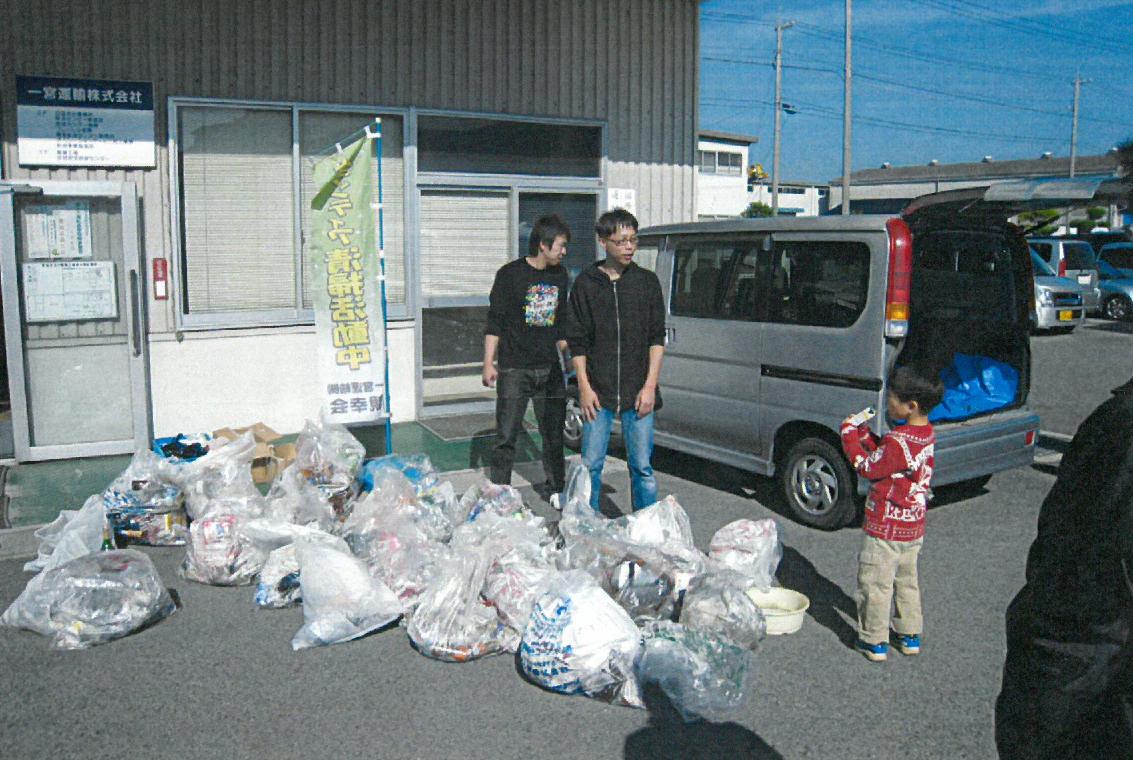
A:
[638, 435]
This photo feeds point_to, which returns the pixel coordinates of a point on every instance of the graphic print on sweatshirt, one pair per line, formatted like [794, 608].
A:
[539, 305]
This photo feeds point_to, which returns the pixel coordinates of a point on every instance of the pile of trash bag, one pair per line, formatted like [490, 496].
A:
[588, 605]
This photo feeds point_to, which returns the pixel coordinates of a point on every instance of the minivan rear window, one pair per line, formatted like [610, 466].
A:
[964, 275]
[1079, 256]
[823, 284]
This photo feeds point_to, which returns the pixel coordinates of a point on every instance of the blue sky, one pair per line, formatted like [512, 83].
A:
[951, 80]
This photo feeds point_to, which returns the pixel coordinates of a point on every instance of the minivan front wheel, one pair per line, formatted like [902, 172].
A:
[1118, 307]
[818, 485]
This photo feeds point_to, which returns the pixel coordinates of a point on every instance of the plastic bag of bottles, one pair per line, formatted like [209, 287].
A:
[749, 547]
[218, 553]
[703, 675]
[451, 622]
[397, 551]
[92, 599]
[72, 534]
[328, 455]
[717, 604]
[579, 641]
[341, 601]
[487, 497]
[292, 498]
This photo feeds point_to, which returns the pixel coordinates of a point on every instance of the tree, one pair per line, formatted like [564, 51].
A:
[757, 209]
[1046, 218]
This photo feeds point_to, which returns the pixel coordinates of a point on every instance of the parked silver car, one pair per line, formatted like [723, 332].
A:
[1058, 300]
[1117, 291]
[1074, 260]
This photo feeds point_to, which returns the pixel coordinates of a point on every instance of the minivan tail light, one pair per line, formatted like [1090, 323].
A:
[1030, 439]
[1062, 267]
[899, 289]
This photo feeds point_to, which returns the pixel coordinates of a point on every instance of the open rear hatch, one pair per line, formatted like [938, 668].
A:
[972, 288]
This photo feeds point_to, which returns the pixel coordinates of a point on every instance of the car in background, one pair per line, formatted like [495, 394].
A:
[1119, 256]
[1073, 259]
[1099, 238]
[1058, 300]
[1117, 292]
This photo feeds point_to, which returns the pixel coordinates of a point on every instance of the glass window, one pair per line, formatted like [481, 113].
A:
[739, 297]
[242, 259]
[1122, 258]
[1046, 250]
[731, 163]
[458, 144]
[464, 240]
[707, 161]
[577, 210]
[818, 283]
[1078, 255]
[699, 278]
[237, 209]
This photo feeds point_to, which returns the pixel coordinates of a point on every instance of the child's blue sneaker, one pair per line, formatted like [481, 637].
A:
[908, 643]
[872, 652]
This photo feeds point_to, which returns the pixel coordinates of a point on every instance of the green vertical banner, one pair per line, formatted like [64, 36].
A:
[349, 320]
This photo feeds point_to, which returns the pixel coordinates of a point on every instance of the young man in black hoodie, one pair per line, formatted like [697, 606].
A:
[1068, 679]
[525, 325]
[616, 333]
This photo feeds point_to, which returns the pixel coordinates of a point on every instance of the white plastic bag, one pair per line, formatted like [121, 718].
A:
[704, 676]
[579, 641]
[341, 601]
[92, 599]
[72, 534]
[749, 547]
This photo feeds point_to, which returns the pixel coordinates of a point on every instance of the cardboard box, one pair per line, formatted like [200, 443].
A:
[267, 460]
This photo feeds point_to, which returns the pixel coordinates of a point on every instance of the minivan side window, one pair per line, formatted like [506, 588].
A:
[823, 284]
[1079, 256]
[1046, 250]
[699, 277]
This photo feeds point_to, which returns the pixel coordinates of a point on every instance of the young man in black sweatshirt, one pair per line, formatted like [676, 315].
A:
[525, 326]
[617, 340]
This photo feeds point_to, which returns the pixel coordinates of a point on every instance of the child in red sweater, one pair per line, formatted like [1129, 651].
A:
[900, 466]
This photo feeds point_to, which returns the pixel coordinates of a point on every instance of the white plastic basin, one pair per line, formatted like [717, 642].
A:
[782, 608]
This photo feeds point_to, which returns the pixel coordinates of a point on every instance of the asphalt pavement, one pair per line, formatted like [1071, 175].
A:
[219, 678]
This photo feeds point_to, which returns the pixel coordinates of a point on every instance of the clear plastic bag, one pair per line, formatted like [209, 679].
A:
[717, 604]
[704, 676]
[328, 455]
[397, 552]
[451, 622]
[579, 641]
[514, 581]
[148, 482]
[220, 554]
[341, 601]
[293, 499]
[73, 534]
[749, 547]
[221, 482]
[92, 599]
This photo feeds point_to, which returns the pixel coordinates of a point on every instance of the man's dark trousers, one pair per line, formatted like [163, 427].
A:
[545, 388]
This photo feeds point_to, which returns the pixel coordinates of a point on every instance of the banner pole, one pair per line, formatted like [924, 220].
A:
[382, 279]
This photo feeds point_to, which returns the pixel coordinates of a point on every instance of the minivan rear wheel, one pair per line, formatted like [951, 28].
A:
[818, 485]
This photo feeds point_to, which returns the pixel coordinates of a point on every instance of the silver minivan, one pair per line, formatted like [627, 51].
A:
[780, 327]
[1074, 260]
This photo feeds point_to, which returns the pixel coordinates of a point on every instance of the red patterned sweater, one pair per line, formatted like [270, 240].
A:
[900, 466]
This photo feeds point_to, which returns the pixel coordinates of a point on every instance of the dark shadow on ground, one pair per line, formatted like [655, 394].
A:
[668, 736]
[1115, 327]
[766, 491]
[827, 599]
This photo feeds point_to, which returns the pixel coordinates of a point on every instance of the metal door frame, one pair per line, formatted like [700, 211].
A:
[127, 194]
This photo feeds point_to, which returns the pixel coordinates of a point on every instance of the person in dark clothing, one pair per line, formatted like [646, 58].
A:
[616, 333]
[1068, 679]
[525, 326]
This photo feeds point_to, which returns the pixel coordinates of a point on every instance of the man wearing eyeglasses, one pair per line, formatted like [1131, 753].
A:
[616, 334]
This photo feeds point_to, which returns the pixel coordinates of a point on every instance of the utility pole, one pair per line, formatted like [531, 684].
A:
[778, 113]
[1078, 82]
[846, 115]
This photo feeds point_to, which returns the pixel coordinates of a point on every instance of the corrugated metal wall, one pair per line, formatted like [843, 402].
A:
[631, 63]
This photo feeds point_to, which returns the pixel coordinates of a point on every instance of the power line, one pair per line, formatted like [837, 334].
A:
[972, 97]
[827, 112]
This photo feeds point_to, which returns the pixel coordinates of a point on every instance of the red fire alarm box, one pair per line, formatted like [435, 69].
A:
[160, 279]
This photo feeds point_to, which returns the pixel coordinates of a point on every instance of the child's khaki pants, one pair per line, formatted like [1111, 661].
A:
[887, 578]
